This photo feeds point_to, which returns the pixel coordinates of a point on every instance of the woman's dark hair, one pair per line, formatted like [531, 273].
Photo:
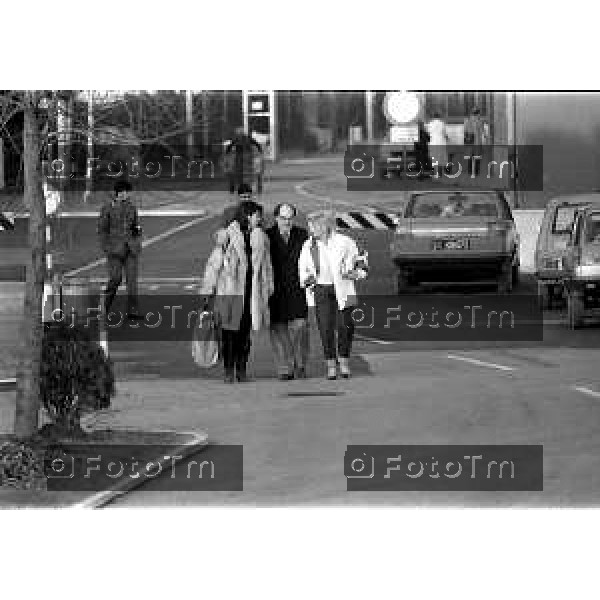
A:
[229, 215]
[122, 186]
[245, 210]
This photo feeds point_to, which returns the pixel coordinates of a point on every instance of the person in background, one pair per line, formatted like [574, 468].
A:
[422, 150]
[120, 238]
[240, 156]
[239, 275]
[438, 140]
[475, 138]
[289, 311]
[329, 265]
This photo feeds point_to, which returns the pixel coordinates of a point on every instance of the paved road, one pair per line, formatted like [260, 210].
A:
[544, 392]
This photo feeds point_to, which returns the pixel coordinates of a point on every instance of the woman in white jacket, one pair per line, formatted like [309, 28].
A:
[328, 266]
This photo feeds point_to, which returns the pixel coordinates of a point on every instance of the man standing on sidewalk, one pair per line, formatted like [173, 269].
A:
[120, 237]
[288, 307]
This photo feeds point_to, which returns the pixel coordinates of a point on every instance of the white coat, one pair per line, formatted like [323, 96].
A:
[342, 253]
[438, 140]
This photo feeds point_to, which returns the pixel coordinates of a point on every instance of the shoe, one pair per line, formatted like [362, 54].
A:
[300, 373]
[229, 376]
[331, 370]
[241, 375]
[286, 376]
[344, 368]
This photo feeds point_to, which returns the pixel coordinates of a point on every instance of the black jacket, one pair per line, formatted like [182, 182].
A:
[288, 301]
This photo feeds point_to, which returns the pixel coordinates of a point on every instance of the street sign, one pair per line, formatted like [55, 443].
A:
[404, 134]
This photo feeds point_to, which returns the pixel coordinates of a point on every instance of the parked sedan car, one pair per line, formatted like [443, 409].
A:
[581, 277]
[551, 246]
[466, 236]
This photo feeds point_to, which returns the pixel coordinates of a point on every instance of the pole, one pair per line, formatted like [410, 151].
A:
[205, 121]
[2, 182]
[90, 147]
[273, 127]
[189, 121]
[369, 110]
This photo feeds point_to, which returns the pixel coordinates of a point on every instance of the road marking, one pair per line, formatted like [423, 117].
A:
[299, 189]
[145, 243]
[481, 363]
[358, 336]
[585, 390]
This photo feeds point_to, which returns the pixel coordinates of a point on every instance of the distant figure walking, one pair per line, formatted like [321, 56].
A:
[241, 157]
[121, 241]
[475, 137]
[438, 140]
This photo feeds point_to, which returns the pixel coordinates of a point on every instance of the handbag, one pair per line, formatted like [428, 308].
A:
[206, 341]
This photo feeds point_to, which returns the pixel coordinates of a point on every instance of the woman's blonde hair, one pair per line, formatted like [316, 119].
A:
[324, 217]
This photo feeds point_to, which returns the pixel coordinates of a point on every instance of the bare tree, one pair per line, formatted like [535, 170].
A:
[159, 119]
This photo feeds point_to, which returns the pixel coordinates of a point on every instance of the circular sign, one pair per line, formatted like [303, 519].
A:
[401, 107]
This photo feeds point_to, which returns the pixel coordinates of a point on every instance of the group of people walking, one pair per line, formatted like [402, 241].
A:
[260, 279]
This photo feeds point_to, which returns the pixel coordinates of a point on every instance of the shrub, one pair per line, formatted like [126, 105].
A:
[21, 467]
[75, 374]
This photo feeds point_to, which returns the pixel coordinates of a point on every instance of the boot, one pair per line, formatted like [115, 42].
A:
[331, 369]
[344, 368]
[240, 371]
[229, 375]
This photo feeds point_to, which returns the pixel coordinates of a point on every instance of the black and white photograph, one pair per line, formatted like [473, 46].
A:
[271, 296]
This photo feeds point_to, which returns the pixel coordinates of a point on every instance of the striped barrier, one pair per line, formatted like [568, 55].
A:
[366, 220]
[7, 221]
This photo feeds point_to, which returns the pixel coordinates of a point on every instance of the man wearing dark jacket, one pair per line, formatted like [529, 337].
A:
[120, 238]
[243, 148]
[289, 311]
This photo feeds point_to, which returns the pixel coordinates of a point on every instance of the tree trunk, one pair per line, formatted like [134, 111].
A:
[28, 372]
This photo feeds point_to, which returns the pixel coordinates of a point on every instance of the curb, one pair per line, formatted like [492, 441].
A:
[8, 385]
[124, 486]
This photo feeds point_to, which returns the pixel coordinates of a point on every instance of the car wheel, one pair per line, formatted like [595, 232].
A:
[544, 296]
[505, 283]
[515, 275]
[403, 284]
[575, 310]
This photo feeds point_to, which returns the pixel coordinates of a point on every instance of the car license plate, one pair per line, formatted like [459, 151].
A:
[450, 244]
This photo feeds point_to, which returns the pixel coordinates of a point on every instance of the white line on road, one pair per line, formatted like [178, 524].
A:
[299, 189]
[481, 363]
[585, 390]
[145, 243]
[364, 338]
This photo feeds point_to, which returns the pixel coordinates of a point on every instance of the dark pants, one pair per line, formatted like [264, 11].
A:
[236, 179]
[290, 343]
[116, 265]
[330, 319]
[236, 345]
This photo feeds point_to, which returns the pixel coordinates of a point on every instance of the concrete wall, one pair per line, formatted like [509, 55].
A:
[568, 126]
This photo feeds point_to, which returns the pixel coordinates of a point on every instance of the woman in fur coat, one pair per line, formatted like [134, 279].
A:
[239, 275]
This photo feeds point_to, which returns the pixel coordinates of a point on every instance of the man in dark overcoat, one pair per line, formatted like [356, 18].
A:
[288, 307]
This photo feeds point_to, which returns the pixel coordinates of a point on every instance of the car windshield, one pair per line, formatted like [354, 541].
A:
[563, 219]
[455, 205]
[592, 229]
